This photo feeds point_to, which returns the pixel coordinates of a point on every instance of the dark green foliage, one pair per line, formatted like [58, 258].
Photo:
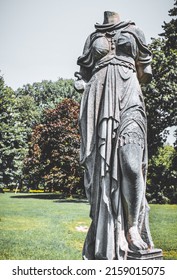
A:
[53, 159]
[160, 94]
[161, 104]
[162, 182]
[12, 138]
[170, 29]
[17, 115]
[20, 111]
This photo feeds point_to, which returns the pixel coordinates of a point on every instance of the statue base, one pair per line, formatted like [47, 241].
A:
[151, 254]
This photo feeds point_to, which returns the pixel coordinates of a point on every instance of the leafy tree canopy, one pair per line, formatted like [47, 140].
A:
[160, 94]
[161, 183]
[47, 93]
[53, 159]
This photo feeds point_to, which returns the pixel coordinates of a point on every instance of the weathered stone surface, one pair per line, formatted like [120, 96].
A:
[153, 254]
[113, 127]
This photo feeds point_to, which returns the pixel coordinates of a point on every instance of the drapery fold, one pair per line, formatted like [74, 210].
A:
[112, 115]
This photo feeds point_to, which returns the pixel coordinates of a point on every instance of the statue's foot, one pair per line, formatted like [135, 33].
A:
[151, 245]
[135, 241]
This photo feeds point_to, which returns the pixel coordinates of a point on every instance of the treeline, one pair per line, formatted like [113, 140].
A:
[39, 136]
[35, 122]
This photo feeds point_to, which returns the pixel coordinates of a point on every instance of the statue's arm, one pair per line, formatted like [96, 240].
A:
[79, 84]
[144, 73]
[143, 62]
[86, 62]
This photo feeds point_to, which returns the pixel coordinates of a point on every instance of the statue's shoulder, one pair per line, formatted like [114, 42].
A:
[136, 31]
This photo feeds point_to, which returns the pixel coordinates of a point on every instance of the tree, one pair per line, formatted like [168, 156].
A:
[170, 29]
[53, 159]
[10, 140]
[17, 115]
[161, 104]
[161, 184]
[20, 111]
[160, 94]
[47, 94]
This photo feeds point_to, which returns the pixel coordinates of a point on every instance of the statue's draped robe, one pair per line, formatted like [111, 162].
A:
[112, 114]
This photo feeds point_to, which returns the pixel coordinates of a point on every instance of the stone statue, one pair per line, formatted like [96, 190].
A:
[114, 63]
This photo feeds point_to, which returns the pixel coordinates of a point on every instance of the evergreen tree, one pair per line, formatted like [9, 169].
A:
[160, 94]
[170, 29]
[161, 104]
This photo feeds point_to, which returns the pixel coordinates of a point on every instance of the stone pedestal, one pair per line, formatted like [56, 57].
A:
[153, 254]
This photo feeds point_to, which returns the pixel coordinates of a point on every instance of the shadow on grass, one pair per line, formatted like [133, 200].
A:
[60, 198]
[73, 200]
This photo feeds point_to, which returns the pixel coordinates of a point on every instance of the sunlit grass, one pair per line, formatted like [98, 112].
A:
[163, 221]
[45, 227]
[41, 228]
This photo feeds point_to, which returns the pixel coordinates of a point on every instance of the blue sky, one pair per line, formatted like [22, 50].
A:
[41, 39]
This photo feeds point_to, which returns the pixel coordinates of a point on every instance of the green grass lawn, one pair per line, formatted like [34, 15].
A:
[44, 227]
[163, 224]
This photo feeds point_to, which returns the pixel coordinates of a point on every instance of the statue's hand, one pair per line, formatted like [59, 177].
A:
[144, 74]
[79, 84]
